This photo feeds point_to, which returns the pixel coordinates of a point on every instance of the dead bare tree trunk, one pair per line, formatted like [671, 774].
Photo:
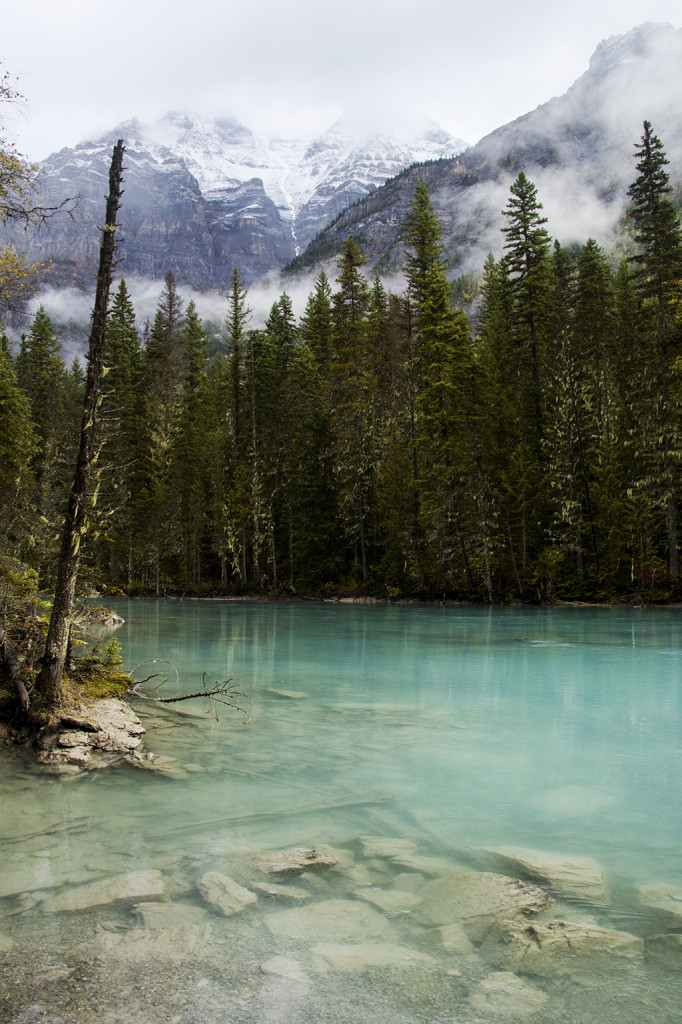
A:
[48, 688]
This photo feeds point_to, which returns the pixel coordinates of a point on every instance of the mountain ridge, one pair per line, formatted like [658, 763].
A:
[578, 149]
[203, 195]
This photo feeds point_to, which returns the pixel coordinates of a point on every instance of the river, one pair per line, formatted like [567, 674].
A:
[458, 730]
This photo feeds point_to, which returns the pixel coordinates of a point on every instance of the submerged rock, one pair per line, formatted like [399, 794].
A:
[135, 887]
[505, 995]
[663, 902]
[285, 967]
[582, 877]
[391, 901]
[449, 937]
[225, 895]
[478, 900]
[557, 948]
[293, 893]
[140, 944]
[379, 846]
[665, 949]
[337, 956]
[435, 867]
[162, 765]
[170, 916]
[278, 862]
[285, 694]
[330, 920]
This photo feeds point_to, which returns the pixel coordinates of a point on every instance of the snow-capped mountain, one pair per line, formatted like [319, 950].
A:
[203, 196]
[307, 179]
[577, 148]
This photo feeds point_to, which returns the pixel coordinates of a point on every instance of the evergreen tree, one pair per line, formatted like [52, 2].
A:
[527, 246]
[656, 231]
[40, 370]
[443, 380]
[238, 316]
[18, 443]
[121, 469]
[423, 234]
[352, 395]
[571, 435]
[41, 375]
[316, 322]
[164, 375]
[659, 278]
[190, 471]
[230, 474]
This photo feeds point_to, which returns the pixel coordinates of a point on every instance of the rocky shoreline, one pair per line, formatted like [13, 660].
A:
[312, 934]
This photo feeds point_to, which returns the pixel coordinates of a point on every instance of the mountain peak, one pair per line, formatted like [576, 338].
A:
[637, 44]
[206, 194]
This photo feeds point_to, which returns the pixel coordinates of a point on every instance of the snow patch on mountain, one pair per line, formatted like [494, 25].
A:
[296, 173]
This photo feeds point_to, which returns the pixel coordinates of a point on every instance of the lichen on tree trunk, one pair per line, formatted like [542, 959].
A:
[48, 689]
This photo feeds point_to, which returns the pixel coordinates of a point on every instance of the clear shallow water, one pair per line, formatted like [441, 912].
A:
[461, 728]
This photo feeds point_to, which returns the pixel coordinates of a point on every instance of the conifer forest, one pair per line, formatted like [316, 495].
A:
[388, 445]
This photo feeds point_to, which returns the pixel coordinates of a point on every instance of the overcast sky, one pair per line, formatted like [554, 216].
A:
[292, 67]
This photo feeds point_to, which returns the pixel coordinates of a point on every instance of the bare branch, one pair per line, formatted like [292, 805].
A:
[220, 693]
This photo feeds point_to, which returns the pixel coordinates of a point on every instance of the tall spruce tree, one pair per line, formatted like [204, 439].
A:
[230, 472]
[659, 277]
[164, 373]
[190, 471]
[316, 322]
[123, 418]
[352, 392]
[18, 443]
[443, 377]
[658, 262]
[41, 374]
[527, 248]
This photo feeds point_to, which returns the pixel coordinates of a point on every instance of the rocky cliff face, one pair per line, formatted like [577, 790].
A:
[577, 148]
[202, 197]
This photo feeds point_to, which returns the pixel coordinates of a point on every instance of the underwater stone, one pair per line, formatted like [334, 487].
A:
[379, 846]
[665, 949]
[391, 901]
[557, 948]
[450, 937]
[433, 866]
[135, 887]
[506, 995]
[278, 861]
[575, 876]
[338, 956]
[329, 920]
[285, 694]
[225, 895]
[285, 967]
[477, 900]
[286, 892]
[663, 901]
[166, 916]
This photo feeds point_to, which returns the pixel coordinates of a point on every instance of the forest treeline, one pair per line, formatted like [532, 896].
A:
[381, 444]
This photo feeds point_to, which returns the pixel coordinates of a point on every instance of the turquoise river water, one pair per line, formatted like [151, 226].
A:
[459, 729]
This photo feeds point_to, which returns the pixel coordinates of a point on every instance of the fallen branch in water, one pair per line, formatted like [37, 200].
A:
[219, 693]
[356, 800]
